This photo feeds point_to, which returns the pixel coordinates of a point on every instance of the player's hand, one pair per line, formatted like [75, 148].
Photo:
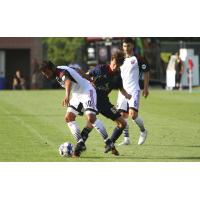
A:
[65, 102]
[128, 96]
[145, 93]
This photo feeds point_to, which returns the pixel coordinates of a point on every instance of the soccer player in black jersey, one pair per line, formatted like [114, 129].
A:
[106, 78]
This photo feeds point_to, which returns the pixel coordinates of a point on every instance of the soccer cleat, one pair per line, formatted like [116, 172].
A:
[125, 142]
[78, 149]
[107, 148]
[76, 154]
[142, 138]
[111, 147]
[114, 151]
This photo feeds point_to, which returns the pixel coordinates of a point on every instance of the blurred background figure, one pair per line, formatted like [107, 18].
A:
[19, 82]
[171, 72]
[179, 67]
[37, 80]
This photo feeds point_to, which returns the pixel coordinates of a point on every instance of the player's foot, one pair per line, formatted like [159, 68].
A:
[114, 151]
[111, 147]
[125, 142]
[78, 149]
[107, 148]
[142, 138]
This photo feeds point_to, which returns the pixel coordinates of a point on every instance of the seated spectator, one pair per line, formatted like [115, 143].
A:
[19, 82]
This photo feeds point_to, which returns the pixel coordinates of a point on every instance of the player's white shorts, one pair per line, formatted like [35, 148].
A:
[88, 100]
[124, 104]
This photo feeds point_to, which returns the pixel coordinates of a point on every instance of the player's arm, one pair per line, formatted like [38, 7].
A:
[94, 74]
[124, 92]
[145, 70]
[145, 92]
[67, 85]
[121, 88]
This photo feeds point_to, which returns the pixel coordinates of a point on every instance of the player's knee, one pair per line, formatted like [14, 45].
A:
[134, 115]
[121, 123]
[91, 118]
[124, 114]
[69, 117]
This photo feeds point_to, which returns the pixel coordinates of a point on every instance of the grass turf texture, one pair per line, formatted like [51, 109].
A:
[32, 127]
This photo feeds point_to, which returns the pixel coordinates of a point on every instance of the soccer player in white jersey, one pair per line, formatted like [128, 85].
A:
[81, 91]
[130, 72]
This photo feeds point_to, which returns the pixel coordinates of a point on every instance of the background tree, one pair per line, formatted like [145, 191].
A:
[64, 50]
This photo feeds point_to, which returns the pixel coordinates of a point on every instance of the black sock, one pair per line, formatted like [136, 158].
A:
[108, 141]
[116, 134]
[85, 133]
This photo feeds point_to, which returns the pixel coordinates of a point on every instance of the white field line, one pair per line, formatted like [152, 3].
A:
[29, 127]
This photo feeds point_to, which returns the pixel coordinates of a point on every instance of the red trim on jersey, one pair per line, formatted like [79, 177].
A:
[109, 70]
[59, 73]
[132, 62]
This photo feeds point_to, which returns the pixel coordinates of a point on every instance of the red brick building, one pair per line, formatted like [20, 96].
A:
[23, 53]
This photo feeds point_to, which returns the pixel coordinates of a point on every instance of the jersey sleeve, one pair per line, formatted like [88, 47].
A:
[74, 66]
[63, 75]
[143, 66]
[96, 71]
[120, 82]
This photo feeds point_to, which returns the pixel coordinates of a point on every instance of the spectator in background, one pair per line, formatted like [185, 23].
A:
[35, 80]
[19, 82]
[179, 68]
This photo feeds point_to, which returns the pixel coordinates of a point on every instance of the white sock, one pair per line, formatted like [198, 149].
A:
[75, 130]
[140, 123]
[125, 131]
[98, 125]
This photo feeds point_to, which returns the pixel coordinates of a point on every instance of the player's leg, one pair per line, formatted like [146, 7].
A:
[133, 113]
[89, 103]
[86, 131]
[70, 118]
[122, 106]
[108, 110]
[126, 140]
[88, 128]
[121, 125]
[98, 125]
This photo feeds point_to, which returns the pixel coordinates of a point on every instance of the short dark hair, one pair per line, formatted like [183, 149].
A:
[128, 40]
[118, 56]
[47, 65]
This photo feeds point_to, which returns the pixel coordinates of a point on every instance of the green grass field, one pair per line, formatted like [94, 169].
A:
[32, 127]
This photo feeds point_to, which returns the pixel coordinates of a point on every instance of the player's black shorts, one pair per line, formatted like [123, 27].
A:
[107, 109]
[104, 107]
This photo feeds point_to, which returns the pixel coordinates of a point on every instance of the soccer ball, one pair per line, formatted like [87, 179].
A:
[66, 149]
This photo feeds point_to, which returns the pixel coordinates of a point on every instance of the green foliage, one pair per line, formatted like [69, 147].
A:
[64, 50]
